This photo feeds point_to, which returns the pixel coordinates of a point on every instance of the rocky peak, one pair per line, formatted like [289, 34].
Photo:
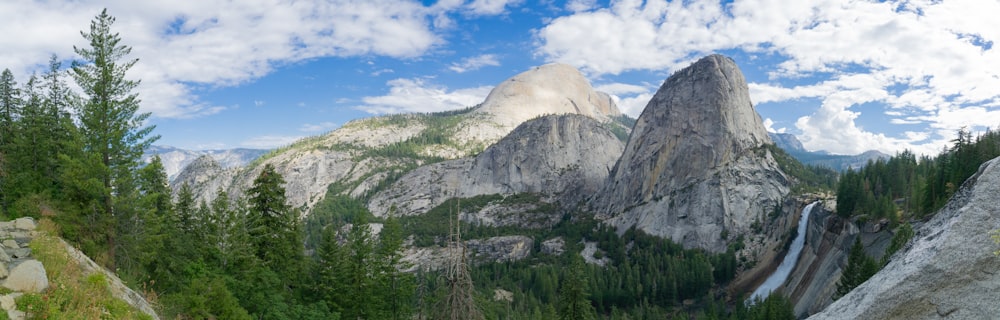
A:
[694, 166]
[549, 89]
[947, 271]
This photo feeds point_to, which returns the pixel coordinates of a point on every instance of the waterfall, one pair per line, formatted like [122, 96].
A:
[785, 268]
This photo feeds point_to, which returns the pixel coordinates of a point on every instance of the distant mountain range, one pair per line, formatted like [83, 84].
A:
[794, 147]
[175, 159]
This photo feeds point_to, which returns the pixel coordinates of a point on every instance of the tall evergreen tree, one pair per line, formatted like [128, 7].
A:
[396, 287]
[574, 303]
[111, 127]
[859, 268]
[10, 104]
[360, 282]
[274, 227]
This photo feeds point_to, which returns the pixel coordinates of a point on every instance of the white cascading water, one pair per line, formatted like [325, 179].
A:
[785, 268]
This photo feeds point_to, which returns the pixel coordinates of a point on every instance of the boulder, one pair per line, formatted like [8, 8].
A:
[29, 276]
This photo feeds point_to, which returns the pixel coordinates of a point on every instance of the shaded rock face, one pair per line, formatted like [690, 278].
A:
[694, 165]
[565, 157]
[948, 271]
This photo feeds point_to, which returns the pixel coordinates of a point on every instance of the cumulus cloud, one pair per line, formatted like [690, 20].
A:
[474, 63]
[929, 61]
[416, 95]
[183, 45]
[631, 99]
[769, 126]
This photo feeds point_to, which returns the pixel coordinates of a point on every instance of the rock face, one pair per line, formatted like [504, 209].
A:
[694, 165]
[563, 156]
[948, 271]
[361, 155]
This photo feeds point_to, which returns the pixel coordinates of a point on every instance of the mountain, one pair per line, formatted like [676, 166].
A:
[175, 159]
[794, 147]
[948, 270]
[695, 169]
[367, 155]
[564, 157]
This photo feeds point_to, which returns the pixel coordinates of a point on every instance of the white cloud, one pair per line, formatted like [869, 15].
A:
[475, 63]
[415, 95]
[269, 141]
[319, 127]
[490, 7]
[769, 126]
[932, 61]
[580, 5]
[632, 105]
[215, 43]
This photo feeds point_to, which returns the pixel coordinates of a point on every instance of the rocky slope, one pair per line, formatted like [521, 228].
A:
[365, 154]
[22, 273]
[694, 168]
[948, 271]
[564, 157]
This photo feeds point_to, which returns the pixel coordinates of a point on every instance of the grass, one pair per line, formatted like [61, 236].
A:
[72, 294]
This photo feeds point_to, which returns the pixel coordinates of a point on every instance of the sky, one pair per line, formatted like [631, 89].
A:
[842, 76]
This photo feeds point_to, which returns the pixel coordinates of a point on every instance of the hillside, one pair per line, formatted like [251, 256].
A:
[366, 155]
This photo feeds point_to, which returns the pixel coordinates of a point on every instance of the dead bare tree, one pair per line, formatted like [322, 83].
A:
[459, 302]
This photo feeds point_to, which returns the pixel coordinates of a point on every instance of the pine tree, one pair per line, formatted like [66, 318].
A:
[10, 104]
[360, 282]
[859, 268]
[396, 287]
[574, 303]
[332, 271]
[111, 127]
[274, 230]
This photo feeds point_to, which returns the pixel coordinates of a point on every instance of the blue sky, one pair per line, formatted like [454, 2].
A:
[843, 76]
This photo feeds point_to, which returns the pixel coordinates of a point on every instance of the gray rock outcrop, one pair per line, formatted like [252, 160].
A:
[695, 165]
[566, 157]
[948, 271]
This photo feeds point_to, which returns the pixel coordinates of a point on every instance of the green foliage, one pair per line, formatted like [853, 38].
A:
[902, 236]
[810, 178]
[859, 268]
[574, 302]
[918, 187]
[774, 307]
